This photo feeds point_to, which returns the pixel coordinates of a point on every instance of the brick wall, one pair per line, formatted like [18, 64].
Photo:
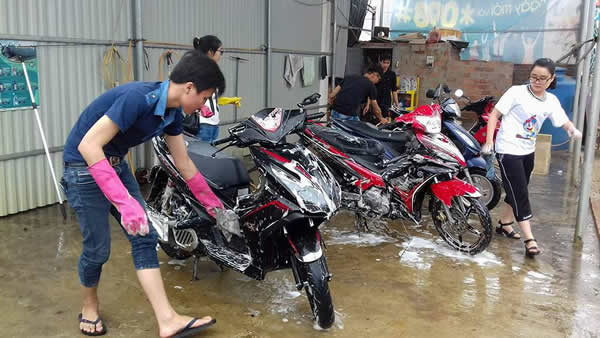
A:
[521, 73]
[475, 78]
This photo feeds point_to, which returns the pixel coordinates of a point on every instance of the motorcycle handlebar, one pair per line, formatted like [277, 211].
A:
[314, 116]
[223, 140]
[312, 99]
[389, 126]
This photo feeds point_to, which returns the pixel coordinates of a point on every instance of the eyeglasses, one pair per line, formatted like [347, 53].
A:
[533, 79]
[221, 50]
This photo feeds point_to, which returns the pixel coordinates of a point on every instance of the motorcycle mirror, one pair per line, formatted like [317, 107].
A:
[458, 93]
[430, 93]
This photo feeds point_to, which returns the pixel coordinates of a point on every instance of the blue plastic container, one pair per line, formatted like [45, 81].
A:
[565, 92]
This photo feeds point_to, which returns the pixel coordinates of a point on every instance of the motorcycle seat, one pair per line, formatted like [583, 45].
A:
[222, 171]
[349, 144]
[364, 129]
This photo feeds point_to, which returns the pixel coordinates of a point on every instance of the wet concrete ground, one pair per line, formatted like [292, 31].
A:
[404, 284]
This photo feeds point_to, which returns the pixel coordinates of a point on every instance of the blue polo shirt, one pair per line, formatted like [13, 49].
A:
[140, 111]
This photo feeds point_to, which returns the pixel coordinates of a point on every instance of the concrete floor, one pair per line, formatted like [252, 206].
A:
[383, 286]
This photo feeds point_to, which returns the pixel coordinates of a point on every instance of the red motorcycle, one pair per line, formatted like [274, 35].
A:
[375, 188]
[483, 108]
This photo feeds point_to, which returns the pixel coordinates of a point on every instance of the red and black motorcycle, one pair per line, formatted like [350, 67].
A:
[374, 187]
[278, 217]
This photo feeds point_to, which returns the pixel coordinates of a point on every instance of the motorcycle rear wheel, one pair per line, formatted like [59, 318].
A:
[317, 291]
[464, 227]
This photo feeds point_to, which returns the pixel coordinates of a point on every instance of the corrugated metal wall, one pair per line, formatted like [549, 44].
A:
[71, 76]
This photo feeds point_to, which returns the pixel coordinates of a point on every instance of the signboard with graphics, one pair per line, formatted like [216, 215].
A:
[14, 93]
[517, 31]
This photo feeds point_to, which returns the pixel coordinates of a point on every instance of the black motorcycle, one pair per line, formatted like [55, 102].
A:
[278, 217]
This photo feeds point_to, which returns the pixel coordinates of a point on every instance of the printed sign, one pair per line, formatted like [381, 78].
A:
[14, 93]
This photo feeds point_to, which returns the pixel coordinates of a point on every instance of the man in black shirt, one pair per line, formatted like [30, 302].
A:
[346, 98]
[386, 88]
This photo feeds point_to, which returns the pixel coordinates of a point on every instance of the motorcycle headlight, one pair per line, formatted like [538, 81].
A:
[312, 200]
[308, 196]
[432, 124]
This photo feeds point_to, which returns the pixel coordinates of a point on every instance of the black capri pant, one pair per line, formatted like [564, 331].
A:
[516, 171]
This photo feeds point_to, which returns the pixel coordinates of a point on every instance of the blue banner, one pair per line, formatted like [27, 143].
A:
[507, 30]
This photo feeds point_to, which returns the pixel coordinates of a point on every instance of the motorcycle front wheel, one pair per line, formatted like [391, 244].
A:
[466, 225]
[317, 291]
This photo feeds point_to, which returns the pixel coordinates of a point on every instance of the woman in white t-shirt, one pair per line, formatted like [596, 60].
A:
[523, 110]
[209, 114]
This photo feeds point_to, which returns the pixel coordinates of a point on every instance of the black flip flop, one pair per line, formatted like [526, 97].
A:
[188, 330]
[94, 333]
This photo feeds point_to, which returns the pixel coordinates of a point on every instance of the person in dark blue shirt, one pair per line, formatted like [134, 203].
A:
[98, 182]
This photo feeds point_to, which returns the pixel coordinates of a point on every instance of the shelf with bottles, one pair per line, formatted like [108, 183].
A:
[408, 92]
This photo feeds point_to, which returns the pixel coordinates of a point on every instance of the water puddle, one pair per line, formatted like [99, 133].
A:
[336, 237]
[418, 251]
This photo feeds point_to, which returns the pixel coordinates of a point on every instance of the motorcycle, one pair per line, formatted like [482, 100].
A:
[375, 187]
[483, 108]
[278, 219]
[476, 171]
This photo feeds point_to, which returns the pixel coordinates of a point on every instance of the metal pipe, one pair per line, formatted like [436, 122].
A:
[583, 207]
[580, 55]
[493, 31]
[44, 142]
[354, 28]
[269, 56]
[237, 60]
[381, 13]
[333, 42]
[373, 21]
[145, 149]
[74, 41]
[30, 153]
[298, 51]
[585, 88]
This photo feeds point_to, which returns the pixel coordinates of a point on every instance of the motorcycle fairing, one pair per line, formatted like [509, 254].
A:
[270, 125]
[445, 190]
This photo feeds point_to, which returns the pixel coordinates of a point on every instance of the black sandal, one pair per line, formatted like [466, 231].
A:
[532, 250]
[95, 322]
[501, 231]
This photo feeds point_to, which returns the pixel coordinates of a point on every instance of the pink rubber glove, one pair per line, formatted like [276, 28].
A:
[204, 194]
[133, 216]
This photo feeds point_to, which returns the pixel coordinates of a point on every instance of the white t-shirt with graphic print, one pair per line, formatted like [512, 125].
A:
[211, 103]
[522, 117]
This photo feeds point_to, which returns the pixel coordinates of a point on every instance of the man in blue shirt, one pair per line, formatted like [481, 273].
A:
[97, 180]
